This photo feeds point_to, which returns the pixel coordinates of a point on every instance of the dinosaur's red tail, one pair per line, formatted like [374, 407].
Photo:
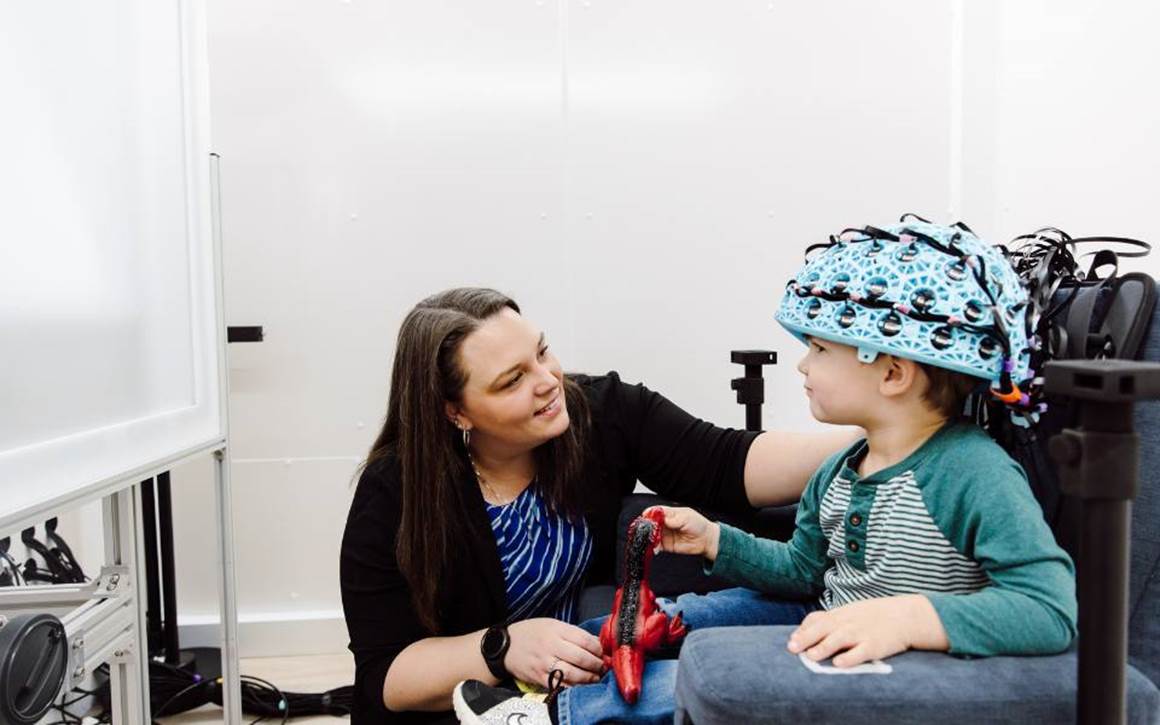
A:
[628, 664]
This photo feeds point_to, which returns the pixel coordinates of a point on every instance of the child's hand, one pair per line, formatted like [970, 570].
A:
[688, 532]
[870, 630]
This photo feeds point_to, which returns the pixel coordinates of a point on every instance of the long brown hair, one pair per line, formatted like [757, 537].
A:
[427, 372]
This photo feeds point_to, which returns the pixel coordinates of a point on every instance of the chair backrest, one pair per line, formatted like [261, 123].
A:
[1117, 314]
[1144, 573]
[1127, 317]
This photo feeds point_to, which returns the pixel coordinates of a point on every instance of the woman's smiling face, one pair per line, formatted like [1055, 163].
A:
[514, 395]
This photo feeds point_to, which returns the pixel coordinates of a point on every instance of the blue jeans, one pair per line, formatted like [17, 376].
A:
[601, 702]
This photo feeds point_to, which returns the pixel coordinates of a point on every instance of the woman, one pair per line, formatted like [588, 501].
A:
[492, 495]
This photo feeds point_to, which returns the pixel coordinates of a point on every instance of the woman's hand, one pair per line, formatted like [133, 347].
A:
[541, 645]
[872, 629]
[688, 532]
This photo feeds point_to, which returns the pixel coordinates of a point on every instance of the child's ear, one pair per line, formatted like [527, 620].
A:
[899, 376]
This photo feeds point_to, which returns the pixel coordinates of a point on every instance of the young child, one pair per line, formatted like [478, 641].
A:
[924, 535]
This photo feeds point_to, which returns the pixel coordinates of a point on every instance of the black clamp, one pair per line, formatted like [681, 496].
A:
[751, 387]
[245, 333]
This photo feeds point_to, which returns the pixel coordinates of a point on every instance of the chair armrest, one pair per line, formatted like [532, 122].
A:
[746, 674]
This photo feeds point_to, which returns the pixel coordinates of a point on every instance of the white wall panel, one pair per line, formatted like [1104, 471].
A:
[289, 526]
[295, 567]
[374, 153]
[1077, 113]
[707, 148]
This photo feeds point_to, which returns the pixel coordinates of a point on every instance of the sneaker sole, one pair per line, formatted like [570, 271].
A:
[462, 711]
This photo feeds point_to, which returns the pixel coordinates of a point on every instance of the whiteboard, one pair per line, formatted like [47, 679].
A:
[111, 349]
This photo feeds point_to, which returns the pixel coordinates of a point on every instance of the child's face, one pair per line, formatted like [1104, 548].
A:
[841, 389]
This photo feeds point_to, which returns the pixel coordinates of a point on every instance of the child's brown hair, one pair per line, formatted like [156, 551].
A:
[948, 390]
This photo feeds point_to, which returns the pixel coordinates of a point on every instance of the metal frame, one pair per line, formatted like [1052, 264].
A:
[128, 673]
[105, 619]
[227, 588]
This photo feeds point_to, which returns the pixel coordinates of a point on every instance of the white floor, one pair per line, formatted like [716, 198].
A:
[316, 673]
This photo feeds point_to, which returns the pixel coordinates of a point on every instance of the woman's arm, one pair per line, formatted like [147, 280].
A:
[424, 674]
[781, 462]
[687, 459]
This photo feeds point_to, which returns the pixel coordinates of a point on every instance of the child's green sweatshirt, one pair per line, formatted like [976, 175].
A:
[954, 521]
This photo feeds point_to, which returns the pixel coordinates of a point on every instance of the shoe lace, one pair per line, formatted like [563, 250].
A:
[555, 687]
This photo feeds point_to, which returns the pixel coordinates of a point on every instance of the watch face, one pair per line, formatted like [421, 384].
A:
[493, 642]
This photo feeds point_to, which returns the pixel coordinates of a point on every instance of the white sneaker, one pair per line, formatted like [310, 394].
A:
[480, 704]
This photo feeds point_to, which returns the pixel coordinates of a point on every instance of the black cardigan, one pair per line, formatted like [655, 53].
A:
[636, 434]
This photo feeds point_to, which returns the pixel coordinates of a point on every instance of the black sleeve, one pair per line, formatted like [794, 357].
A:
[376, 599]
[680, 456]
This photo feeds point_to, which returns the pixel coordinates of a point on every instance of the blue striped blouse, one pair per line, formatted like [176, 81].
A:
[544, 557]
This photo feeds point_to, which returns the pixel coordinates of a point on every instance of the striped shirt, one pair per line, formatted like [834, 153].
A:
[904, 551]
[954, 521]
[544, 557]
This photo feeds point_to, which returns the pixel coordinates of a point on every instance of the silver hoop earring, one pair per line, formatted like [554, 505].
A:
[466, 439]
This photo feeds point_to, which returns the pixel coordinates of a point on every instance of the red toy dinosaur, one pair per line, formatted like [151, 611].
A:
[636, 626]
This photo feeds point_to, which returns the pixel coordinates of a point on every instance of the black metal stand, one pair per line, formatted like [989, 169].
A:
[1098, 463]
[171, 645]
[161, 574]
[152, 576]
[751, 387]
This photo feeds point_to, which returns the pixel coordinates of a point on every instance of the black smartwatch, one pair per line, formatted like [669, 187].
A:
[494, 647]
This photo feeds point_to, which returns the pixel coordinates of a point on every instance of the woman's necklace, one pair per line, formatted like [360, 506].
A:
[483, 481]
